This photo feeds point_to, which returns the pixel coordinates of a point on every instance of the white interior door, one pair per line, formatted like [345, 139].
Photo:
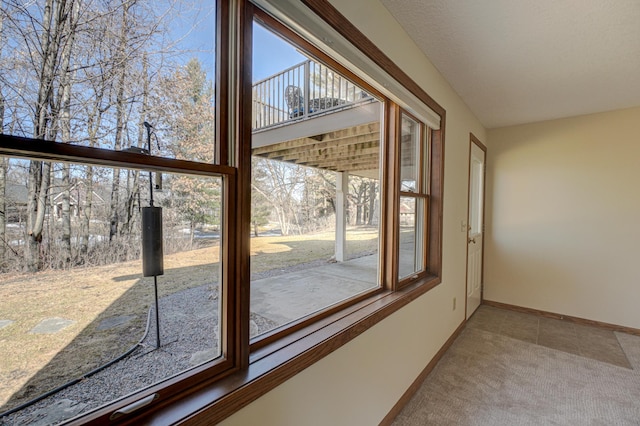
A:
[475, 221]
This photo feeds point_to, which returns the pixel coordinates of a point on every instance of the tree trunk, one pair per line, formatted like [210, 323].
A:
[39, 182]
[85, 219]
[94, 123]
[282, 219]
[3, 171]
[133, 184]
[133, 194]
[372, 202]
[360, 195]
[65, 256]
[65, 126]
[120, 120]
[3, 207]
[40, 172]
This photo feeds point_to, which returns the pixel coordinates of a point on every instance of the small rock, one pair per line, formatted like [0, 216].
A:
[51, 326]
[57, 412]
[253, 328]
[203, 356]
[113, 322]
[5, 323]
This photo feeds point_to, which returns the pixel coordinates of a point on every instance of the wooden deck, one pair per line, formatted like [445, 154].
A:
[351, 149]
[342, 136]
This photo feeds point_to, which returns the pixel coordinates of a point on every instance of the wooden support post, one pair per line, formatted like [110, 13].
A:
[342, 189]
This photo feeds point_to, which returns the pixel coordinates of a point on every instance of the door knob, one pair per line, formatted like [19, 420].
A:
[472, 240]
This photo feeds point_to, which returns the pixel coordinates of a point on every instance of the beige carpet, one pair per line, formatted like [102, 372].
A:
[490, 379]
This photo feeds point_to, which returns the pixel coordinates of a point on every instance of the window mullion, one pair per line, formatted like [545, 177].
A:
[393, 194]
[241, 108]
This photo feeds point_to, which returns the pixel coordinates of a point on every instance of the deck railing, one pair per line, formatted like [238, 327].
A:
[300, 92]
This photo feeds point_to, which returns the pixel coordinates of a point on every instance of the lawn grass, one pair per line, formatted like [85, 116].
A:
[31, 364]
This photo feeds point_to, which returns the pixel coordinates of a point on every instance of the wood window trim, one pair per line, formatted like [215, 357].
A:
[254, 13]
[327, 12]
[425, 138]
[280, 360]
[424, 141]
[215, 402]
[425, 272]
[272, 24]
[43, 150]
[222, 90]
[213, 391]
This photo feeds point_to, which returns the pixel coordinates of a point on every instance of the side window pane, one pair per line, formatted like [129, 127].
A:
[411, 250]
[121, 65]
[410, 145]
[426, 160]
[78, 301]
[315, 186]
[414, 179]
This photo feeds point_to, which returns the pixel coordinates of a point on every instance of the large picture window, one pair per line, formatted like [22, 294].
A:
[315, 187]
[111, 268]
[198, 200]
[101, 318]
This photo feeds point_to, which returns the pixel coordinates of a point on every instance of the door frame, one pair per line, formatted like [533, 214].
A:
[474, 140]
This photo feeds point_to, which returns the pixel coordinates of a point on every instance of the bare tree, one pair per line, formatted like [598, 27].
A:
[136, 29]
[3, 164]
[54, 18]
[121, 63]
[373, 192]
[358, 197]
[188, 118]
[280, 183]
[82, 71]
[63, 112]
[133, 176]
[97, 85]
[317, 206]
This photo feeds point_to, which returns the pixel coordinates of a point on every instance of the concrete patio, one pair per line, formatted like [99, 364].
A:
[291, 296]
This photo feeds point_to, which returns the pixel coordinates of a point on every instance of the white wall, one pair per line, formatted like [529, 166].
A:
[563, 211]
[359, 383]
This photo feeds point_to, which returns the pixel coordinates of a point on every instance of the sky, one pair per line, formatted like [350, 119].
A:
[271, 54]
[195, 28]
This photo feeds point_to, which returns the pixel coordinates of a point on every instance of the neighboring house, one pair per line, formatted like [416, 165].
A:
[77, 191]
[17, 194]
[16, 202]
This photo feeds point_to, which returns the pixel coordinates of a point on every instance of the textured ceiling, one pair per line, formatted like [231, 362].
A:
[518, 61]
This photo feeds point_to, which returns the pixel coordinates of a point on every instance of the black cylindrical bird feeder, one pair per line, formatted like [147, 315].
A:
[152, 255]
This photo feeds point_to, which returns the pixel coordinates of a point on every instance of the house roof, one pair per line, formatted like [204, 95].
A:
[515, 62]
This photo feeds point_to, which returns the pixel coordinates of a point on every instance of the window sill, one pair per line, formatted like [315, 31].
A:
[273, 364]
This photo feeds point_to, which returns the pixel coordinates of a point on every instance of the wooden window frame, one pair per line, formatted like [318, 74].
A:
[42, 150]
[281, 30]
[215, 390]
[278, 360]
[423, 180]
